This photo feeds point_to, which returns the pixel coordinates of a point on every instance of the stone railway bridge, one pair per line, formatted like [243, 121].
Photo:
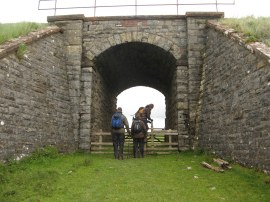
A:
[65, 86]
[109, 55]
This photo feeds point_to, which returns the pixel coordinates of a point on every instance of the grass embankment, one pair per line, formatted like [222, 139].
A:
[254, 29]
[13, 30]
[88, 177]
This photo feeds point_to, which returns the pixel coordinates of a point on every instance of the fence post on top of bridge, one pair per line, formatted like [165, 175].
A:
[56, 5]
[135, 7]
[177, 7]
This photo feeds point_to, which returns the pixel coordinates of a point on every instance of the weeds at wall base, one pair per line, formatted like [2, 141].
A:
[21, 51]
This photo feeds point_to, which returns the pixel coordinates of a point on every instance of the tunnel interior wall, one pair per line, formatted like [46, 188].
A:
[171, 105]
[103, 104]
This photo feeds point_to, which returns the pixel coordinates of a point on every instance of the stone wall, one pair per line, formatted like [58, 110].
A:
[235, 107]
[196, 42]
[34, 98]
[71, 29]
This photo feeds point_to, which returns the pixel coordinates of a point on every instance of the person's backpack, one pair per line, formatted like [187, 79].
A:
[136, 126]
[117, 121]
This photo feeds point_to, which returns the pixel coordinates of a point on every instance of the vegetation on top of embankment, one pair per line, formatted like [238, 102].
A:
[13, 30]
[254, 29]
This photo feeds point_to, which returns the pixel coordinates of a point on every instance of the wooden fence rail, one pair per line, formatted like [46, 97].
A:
[158, 142]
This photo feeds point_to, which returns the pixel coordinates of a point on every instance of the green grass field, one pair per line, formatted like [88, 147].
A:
[87, 177]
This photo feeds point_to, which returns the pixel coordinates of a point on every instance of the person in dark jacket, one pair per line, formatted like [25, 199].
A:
[138, 138]
[118, 136]
[146, 115]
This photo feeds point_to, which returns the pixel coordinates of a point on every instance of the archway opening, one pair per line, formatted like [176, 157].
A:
[128, 65]
[133, 98]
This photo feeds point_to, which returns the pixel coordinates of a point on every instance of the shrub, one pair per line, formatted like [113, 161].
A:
[21, 51]
[47, 152]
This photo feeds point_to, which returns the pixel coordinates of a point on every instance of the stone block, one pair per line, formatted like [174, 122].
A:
[182, 105]
[86, 117]
[86, 77]
[85, 107]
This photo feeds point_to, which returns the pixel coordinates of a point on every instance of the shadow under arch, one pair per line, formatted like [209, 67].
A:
[136, 63]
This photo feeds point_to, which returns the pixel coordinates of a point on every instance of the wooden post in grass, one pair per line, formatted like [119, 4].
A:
[100, 140]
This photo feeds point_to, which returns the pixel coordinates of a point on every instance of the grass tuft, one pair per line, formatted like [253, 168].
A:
[21, 51]
[42, 154]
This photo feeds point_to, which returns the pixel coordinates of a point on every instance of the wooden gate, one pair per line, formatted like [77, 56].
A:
[158, 142]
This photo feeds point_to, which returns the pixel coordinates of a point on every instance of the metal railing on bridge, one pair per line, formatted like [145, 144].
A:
[134, 7]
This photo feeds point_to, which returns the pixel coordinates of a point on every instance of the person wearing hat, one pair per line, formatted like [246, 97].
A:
[119, 121]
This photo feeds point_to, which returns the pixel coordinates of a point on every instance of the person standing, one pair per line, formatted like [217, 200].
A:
[146, 115]
[138, 133]
[138, 114]
[118, 122]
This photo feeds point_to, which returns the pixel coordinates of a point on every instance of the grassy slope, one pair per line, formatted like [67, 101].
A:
[86, 177]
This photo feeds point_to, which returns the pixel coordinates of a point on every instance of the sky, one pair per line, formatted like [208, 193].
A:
[27, 10]
[130, 100]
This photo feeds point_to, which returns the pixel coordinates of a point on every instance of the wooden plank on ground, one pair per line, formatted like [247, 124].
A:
[223, 164]
[206, 165]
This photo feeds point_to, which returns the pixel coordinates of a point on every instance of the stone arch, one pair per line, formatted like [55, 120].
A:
[102, 101]
[97, 46]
